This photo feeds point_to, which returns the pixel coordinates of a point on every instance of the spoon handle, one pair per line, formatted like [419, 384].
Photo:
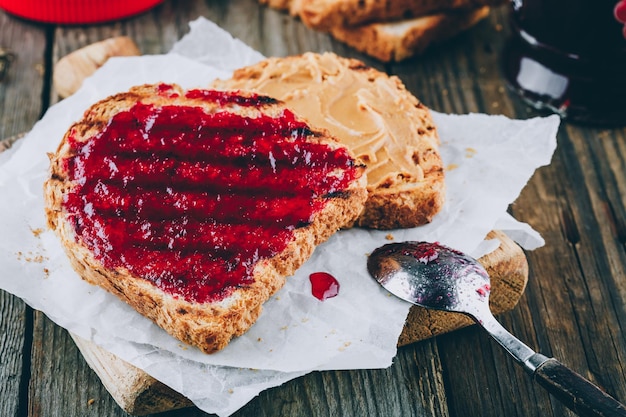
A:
[576, 392]
[569, 387]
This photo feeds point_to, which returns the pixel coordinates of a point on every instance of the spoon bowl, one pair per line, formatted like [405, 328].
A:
[437, 277]
[432, 276]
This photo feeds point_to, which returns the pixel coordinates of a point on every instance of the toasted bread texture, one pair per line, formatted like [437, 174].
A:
[127, 259]
[373, 114]
[328, 14]
[399, 40]
[390, 30]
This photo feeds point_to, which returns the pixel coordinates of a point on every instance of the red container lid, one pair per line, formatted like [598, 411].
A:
[76, 11]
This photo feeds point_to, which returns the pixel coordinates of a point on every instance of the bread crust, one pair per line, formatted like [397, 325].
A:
[325, 15]
[401, 200]
[398, 40]
[208, 325]
[389, 30]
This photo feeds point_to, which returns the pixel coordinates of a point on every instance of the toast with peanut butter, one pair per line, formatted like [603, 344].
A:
[152, 190]
[375, 116]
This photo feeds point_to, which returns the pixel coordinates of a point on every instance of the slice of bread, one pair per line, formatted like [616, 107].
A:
[399, 40]
[329, 14]
[373, 114]
[391, 30]
[193, 206]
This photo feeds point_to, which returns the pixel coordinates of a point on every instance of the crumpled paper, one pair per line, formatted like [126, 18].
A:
[489, 161]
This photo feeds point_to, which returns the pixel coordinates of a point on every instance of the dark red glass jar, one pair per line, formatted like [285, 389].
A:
[569, 57]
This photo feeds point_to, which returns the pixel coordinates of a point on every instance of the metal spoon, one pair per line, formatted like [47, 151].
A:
[437, 277]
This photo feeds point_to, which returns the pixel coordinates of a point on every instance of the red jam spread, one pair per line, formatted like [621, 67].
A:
[192, 201]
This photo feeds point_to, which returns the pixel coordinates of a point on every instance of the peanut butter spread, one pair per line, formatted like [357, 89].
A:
[373, 114]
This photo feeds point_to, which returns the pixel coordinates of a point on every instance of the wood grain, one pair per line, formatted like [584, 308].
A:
[13, 330]
[134, 390]
[19, 109]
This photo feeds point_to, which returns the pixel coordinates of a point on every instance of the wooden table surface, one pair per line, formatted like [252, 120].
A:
[573, 307]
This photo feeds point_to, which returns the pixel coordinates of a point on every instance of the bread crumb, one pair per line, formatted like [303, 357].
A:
[30, 257]
[470, 152]
[40, 69]
[451, 167]
[260, 339]
[231, 391]
[284, 328]
[389, 237]
[91, 401]
[345, 345]
[36, 232]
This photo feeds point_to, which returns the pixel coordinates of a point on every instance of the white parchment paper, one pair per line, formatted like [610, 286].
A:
[489, 160]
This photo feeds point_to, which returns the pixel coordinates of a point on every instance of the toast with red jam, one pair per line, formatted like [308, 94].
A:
[194, 205]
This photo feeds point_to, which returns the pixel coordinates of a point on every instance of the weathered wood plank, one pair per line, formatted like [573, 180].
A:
[62, 385]
[134, 391]
[13, 340]
[20, 91]
[19, 109]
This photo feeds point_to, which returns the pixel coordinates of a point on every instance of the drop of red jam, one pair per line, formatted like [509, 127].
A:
[191, 200]
[323, 285]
